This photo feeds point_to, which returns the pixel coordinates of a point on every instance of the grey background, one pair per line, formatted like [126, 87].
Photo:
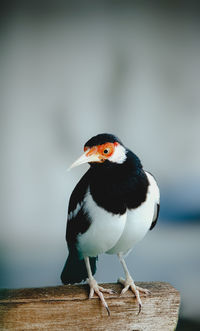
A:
[70, 71]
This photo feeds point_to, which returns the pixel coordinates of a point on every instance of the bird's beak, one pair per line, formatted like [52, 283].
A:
[88, 156]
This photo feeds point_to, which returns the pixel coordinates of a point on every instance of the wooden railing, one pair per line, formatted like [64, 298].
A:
[68, 308]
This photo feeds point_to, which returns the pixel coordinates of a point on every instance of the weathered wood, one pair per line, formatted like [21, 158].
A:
[68, 308]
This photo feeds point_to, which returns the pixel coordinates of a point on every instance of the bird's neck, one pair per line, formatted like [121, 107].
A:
[119, 186]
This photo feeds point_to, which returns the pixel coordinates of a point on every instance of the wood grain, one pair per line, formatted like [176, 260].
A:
[68, 308]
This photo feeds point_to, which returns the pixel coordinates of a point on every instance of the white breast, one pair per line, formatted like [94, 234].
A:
[104, 231]
[138, 220]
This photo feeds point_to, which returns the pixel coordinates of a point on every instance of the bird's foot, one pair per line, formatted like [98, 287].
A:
[129, 283]
[95, 288]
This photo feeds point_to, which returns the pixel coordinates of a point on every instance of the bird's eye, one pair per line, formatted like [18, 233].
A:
[106, 150]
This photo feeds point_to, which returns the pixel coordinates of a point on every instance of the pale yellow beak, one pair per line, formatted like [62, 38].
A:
[84, 159]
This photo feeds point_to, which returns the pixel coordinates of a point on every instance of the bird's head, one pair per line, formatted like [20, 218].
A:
[104, 149]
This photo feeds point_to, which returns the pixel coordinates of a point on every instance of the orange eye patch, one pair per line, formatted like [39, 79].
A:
[104, 151]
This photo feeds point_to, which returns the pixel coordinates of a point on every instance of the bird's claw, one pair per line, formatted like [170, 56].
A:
[106, 290]
[143, 290]
[129, 283]
[95, 288]
[108, 311]
[140, 308]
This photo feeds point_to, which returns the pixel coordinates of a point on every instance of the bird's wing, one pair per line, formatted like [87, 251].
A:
[156, 194]
[77, 220]
[74, 270]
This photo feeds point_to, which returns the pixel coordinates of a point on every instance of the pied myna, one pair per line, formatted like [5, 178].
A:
[110, 210]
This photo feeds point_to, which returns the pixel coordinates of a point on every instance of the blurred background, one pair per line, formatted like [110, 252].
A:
[71, 70]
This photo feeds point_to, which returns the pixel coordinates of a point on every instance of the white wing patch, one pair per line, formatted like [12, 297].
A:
[74, 212]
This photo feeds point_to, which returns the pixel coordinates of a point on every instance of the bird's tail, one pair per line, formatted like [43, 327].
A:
[74, 270]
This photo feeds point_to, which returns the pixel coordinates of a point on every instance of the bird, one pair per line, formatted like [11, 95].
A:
[111, 209]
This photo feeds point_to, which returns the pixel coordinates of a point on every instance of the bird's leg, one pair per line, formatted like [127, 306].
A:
[129, 283]
[94, 287]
